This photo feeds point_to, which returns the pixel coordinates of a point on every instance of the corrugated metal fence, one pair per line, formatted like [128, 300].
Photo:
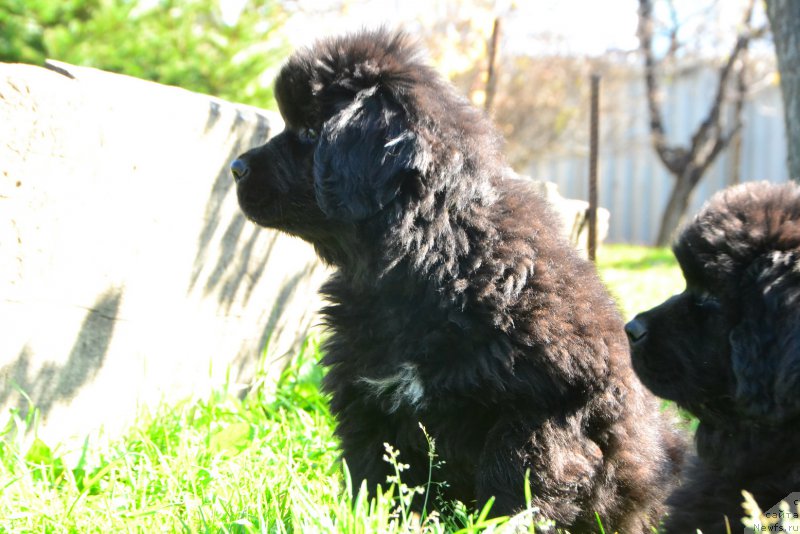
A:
[634, 185]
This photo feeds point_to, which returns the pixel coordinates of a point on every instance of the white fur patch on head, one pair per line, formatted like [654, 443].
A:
[403, 387]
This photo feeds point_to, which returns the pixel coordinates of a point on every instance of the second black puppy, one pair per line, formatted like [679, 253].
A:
[728, 350]
[455, 302]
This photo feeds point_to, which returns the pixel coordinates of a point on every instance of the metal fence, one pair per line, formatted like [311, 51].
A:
[634, 185]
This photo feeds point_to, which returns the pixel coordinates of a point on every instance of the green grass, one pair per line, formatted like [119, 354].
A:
[639, 277]
[267, 462]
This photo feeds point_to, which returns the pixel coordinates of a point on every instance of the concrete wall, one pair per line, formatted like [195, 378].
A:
[127, 273]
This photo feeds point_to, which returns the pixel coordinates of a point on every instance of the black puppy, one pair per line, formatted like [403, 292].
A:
[455, 303]
[728, 350]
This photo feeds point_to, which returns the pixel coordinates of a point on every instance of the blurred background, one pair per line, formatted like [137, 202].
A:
[527, 63]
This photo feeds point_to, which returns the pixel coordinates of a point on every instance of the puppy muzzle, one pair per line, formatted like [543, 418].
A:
[636, 330]
[240, 169]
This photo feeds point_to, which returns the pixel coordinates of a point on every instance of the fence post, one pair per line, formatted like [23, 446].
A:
[593, 123]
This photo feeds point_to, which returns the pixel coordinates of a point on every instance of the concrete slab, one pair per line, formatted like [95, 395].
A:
[128, 274]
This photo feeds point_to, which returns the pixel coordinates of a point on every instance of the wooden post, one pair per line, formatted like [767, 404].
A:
[491, 74]
[593, 142]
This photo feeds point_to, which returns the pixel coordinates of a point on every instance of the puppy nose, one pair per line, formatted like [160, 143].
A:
[636, 330]
[239, 169]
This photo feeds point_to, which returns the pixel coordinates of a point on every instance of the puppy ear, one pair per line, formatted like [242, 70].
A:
[765, 345]
[362, 157]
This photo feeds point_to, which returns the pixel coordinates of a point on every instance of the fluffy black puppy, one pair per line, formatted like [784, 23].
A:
[455, 302]
[728, 350]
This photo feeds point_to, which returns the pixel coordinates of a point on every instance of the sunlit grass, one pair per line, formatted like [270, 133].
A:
[639, 277]
[263, 462]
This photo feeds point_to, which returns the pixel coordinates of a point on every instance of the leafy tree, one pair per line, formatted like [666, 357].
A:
[188, 43]
[24, 23]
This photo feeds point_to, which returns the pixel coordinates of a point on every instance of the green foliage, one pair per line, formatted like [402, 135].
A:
[187, 43]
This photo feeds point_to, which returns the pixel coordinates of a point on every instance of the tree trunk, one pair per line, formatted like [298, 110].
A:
[688, 163]
[784, 20]
[676, 208]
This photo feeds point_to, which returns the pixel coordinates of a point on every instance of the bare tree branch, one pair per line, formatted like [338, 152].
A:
[672, 157]
[711, 127]
[689, 163]
[674, 43]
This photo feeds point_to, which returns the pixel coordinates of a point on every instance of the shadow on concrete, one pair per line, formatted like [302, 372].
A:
[244, 361]
[230, 267]
[239, 274]
[53, 383]
[234, 274]
[214, 116]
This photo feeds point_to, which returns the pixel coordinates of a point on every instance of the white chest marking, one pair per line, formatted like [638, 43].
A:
[403, 387]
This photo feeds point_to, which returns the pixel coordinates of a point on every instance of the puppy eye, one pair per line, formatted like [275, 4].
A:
[308, 135]
[707, 301]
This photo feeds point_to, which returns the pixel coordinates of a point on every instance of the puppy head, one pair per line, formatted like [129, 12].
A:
[370, 129]
[349, 98]
[728, 347]
[349, 144]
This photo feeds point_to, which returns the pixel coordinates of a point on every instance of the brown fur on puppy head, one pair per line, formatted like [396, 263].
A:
[317, 81]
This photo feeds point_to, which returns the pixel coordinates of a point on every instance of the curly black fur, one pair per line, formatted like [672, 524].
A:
[728, 350]
[455, 302]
